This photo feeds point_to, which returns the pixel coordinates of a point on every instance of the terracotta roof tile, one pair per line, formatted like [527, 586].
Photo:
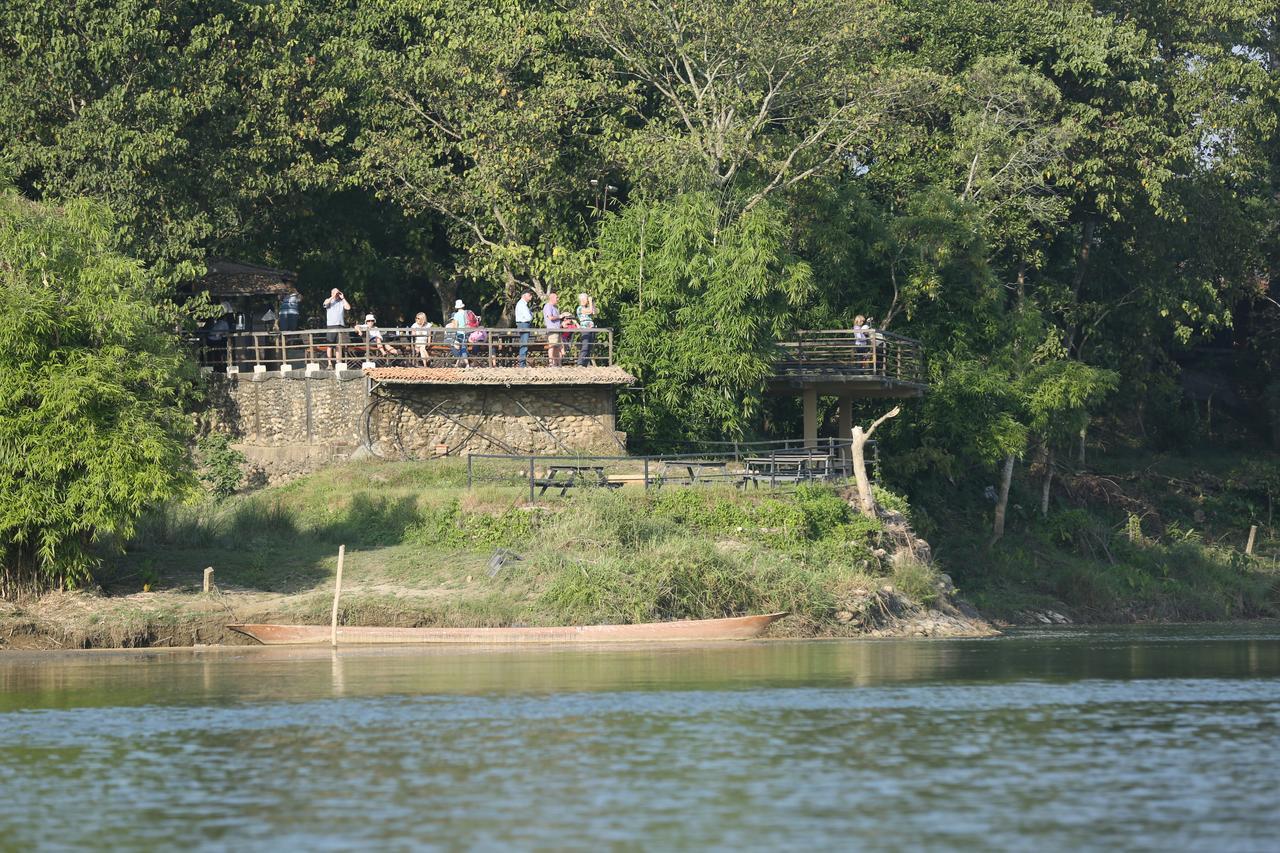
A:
[501, 375]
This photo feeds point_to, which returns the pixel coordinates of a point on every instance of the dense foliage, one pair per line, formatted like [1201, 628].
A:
[1075, 205]
[90, 381]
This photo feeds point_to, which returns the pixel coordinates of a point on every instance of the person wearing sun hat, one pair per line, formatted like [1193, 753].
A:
[372, 336]
[459, 321]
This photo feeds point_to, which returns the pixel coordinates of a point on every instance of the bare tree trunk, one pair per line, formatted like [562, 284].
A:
[1084, 433]
[446, 292]
[997, 530]
[1048, 481]
[510, 292]
[866, 499]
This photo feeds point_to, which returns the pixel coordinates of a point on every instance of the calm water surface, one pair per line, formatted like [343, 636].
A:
[1151, 738]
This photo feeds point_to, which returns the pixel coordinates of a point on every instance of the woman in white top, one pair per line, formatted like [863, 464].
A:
[421, 337]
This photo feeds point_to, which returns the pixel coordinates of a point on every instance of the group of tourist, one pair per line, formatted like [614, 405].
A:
[467, 329]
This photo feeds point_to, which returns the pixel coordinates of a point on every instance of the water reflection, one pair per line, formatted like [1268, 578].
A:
[66, 679]
[1135, 738]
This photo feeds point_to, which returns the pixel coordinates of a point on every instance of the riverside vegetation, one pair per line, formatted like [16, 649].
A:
[419, 551]
[421, 548]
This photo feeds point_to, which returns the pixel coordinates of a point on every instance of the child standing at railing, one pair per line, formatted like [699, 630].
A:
[862, 343]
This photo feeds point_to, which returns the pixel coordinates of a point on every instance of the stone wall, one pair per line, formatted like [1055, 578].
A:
[416, 421]
[292, 423]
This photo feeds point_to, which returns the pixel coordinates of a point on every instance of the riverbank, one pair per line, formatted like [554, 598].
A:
[1132, 537]
[421, 550]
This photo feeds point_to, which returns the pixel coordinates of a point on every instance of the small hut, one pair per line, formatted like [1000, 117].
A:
[250, 294]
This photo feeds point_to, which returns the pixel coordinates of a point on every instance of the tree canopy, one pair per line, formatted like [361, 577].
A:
[91, 378]
[1073, 205]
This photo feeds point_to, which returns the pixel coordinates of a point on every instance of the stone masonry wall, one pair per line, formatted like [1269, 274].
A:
[416, 421]
[292, 423]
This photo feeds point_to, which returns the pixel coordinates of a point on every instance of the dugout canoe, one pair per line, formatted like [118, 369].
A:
[733, 628]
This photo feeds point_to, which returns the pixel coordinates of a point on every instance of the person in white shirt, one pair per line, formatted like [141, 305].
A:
[373, 337]
[524, 322]
[421, 337]
[861, 343]
[335, 313]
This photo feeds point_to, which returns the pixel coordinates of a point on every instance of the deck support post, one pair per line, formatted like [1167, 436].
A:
[845, 426]
[810, 416]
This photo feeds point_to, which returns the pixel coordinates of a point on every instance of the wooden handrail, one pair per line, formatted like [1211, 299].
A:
[870, 353]
[404, 346]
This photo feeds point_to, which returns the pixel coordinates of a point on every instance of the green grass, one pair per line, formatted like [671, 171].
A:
[1154, 537]
[418, 545]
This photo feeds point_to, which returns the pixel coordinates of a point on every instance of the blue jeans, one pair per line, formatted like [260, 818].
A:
[524, 342]
[460, 345]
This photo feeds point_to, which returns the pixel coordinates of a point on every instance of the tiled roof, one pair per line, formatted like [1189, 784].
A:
[501, 375]
[231, 278]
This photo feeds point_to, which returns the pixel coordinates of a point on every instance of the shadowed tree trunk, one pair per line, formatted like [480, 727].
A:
[866, 500]
[1002, 504]
[1048, 481]
[446, 292]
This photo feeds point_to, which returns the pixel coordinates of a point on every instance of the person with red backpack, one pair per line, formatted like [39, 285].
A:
[461, 320]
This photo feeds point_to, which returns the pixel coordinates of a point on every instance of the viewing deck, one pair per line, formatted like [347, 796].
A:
[838, 362]
[404, 347]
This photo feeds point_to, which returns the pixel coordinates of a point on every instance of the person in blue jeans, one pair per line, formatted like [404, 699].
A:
[459, 322]
[524, 322]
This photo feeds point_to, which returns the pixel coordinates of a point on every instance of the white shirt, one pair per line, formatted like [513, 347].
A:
[335, 311]
[523, 314]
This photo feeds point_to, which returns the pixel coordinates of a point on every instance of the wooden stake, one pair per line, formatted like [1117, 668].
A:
[1253, 534]
[337, 591]
[208, 578]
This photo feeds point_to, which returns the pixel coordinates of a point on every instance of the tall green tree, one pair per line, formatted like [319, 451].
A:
[701, 307]
[92, 374]
[486, 116]
[195, 121]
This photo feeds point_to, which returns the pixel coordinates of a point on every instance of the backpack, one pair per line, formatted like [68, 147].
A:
[472, 320]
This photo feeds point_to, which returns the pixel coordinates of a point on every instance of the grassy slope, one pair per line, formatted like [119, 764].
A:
[418, 547]
[1137, 537]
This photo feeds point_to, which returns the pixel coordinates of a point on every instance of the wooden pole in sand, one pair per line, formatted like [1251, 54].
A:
[1253, 534]
[337, 591]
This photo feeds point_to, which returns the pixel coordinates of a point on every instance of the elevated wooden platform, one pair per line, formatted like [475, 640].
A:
[849, 365]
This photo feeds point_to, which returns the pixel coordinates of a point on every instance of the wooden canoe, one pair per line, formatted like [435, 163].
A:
[734, 628]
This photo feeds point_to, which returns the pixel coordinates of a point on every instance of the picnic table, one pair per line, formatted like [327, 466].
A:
[789, 467]
[567, 476]
[695, 471]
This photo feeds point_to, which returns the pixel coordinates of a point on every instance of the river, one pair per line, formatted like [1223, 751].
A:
[1150, 738]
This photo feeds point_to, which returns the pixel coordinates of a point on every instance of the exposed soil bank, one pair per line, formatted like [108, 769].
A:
[84, 620]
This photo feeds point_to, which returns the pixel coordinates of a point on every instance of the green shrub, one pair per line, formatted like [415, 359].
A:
[917, 581]
[221, 465]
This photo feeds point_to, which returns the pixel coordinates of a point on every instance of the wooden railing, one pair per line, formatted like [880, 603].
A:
[406, 347]
[872, 353]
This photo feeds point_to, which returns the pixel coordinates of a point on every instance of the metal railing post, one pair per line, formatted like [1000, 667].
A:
[469, 463]
[532, 498]
[646, 473]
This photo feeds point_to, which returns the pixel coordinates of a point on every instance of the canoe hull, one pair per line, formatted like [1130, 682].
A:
[733, 628]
